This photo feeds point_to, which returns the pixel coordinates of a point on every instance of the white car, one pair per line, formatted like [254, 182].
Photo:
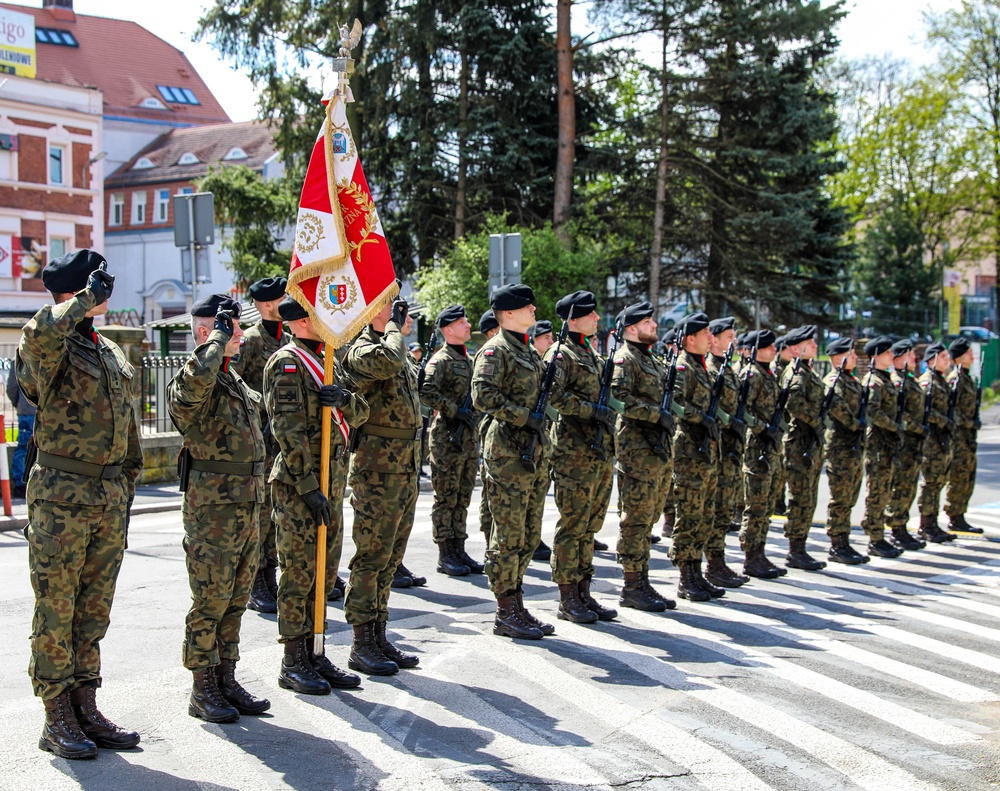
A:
[672, 316]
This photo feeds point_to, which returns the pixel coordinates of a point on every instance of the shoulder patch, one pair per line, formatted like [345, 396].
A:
[559, 356]
[488, 352]
[488, 369]
[619, 360]
[290, 368]
[681, 367]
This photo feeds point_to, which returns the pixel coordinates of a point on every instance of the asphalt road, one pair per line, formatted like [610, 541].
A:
[882, 677]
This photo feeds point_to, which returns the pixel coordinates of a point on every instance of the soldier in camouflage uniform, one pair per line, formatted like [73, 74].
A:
[223, 465]
[802, 467]
[384, 473]
[506, 381]
[906, 466]
[453, 442]
[489, 327]
[844, 456]
[259, 342]
[79, 492]
[669, 512]
[730, 457]
[541, 340]
[295, 397]
[582, 459]
[936, 443]
[781, 362]
[962, 475]
[642, 451]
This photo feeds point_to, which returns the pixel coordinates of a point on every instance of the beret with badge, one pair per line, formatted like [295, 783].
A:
[213, 303]
[68, 274]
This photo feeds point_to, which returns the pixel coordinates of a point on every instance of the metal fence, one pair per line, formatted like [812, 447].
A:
[155, 373]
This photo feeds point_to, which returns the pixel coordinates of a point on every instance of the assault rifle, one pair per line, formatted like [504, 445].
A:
[741, 406]
[528, 457]
[953, 398]
[602, 399]
[663, 440]
[428, 351]
[926, 422]
[718, 387]
[456, 435]
[773, 430]
[977, 423]
[863, 412]
[824, 408]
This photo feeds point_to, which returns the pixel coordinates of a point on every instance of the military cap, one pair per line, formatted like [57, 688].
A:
[450, 314]
[414, 347]
[541, 328]
[840, 346]
[68, 274]
[577, 304]
[959, 346]
[899, 348]
[267, 289]
[719, 326]
[290, 310]
[670, 336]
[878, 345]
[759, 338]
[800, 334]
[488, 322]
[781, 342]
[213, 303]
[692, 323]
[933, 350]
[633, 314]
[512, 297]
[741, 340]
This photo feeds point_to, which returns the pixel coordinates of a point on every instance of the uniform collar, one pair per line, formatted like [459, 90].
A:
[520, 338]
[642, 348]
[272, 328]
[459, 349]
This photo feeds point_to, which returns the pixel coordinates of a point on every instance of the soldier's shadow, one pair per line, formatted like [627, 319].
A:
[114, 771]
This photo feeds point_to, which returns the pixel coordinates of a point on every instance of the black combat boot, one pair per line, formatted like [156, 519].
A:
[508, 621]
[95, 726]
[334, 676]
[718, 573]
[635, 595]
[271, 577]
[474, 566]
[61, 733]
[600, 546]
[901, 538]
[261, 598]
[930, 532]
[337, 591]
[958, 523]
[654, 539]
[393, 654]
[400, 580]
[542, 552]
[233, 691]
[780, 507]
[415, 580]
[654, 593]
[841, 551]
[206, 700]
[528, 618]
[689, 587]
[734, 526]
[757, 565]
[713, 590]
[603, 613]
[366, 655]
[297, 672]
[571, 606]
[798, 558]
[668, 524]
[883, 549]
[448, 562]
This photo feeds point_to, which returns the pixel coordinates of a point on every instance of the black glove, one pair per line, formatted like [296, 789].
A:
[332, 395]
[399, 311]
[711, 425]
[605, 415]
[977, 424]
[536, 423]
[101, 283]
[467, 416]
[224, 323]
[128, 517]
[666, 421]
[320, 507]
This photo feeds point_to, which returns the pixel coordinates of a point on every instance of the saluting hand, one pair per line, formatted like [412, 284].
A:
[101, 283]
[224, 322]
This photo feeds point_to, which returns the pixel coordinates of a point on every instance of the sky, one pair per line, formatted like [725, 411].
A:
[872, 27]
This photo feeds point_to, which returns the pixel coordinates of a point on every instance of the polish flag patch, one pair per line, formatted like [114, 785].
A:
[290, 368]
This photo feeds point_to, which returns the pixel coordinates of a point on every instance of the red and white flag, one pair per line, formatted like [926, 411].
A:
[341, 270]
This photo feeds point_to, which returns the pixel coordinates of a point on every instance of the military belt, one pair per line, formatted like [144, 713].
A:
[229, 467]
[390, 433]
[65, 464]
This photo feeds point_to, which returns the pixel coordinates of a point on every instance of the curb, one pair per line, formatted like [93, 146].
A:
[20, 521]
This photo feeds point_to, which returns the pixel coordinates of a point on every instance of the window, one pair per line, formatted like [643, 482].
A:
[139, 208]
[143, 163]
[57, 248]
[152, 103]
[186, 191]
[177, 95]
[187, 158]
[236, 153]
[162, 205]
[117, 208]
[57, 157]
[50, 35]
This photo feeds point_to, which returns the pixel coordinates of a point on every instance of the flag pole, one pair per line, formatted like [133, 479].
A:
[326, 416]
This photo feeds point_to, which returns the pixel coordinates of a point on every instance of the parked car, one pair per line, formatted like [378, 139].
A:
[980, 334]
[672, 316]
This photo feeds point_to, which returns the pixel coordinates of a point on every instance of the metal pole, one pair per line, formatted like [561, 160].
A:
[503, 260]
[194, 251]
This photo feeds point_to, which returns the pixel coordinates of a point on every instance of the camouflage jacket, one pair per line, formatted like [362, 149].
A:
[693, 391]
[965, 405]
[762, 398]
[506, 381]
[843, 423]
[638, 382]
[257, 347]
[575, 393]
[882, 402]
[805, 396]
[220, 417]
[940, 393]
[292, 398]
[447, 382]
[83, 389]
[913, 405]
[377, 365]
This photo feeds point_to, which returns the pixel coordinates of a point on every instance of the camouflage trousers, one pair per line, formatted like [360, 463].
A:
[905, 476]
[266, 528]
[844, 471]
[220, 551]
[297, 534]
[668, 501]
[729, 482]
[582, 493]
[694, 498]
[780, 475]
[802, 477]
[760, 490]
[962, 475]
[485, 517]
[934, 470]
[383, 504]
[74, 555]
[515, 533]
[453, 476]
[641, 489]
[880, 453]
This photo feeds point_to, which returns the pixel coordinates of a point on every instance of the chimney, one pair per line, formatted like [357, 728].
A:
[60, 9]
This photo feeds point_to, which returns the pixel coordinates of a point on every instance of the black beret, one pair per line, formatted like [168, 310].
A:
[959, 346]
[213, 303]
[840, 346]
[633, 314]
[719, 326]
[512, 297]
[692, 323]
[488, 322]
[878, 345]
[577, 305]
[800, 334]
[781, 342]
[741, 340]
[899, 348]
[450, 314]
[290, 310]
[68, 274]
[267, 289]
[933, 350]
[759, 338]
[541, 328]
[670, 336]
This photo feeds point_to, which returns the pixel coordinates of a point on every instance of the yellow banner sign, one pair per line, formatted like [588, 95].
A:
[17, 43]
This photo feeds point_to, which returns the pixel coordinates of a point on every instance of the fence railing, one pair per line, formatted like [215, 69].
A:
[155, 373]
